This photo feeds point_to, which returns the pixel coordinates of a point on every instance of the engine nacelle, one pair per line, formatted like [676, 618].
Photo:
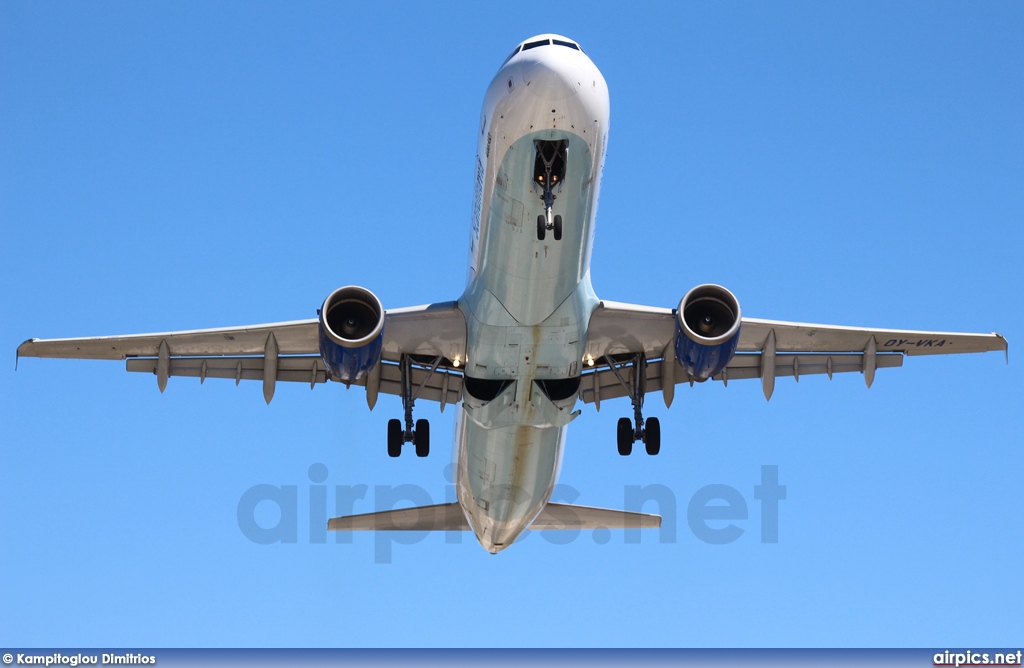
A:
[351, 332]
[707, 330]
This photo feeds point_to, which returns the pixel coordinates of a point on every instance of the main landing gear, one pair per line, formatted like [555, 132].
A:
[420, 436]
[637, 429]
[548, 172]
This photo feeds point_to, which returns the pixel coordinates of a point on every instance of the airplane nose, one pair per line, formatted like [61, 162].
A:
[550, 77]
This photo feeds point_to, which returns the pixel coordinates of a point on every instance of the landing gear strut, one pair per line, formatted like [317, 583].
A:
[420, 435]
[548, 173]
[630, 431]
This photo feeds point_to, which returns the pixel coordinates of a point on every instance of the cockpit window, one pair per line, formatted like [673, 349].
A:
[544, 42]
[514, 52]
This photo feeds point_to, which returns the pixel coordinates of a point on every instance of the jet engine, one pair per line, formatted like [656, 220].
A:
[351, 332]
[707, 330]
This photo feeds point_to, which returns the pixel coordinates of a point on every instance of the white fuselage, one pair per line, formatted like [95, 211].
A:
[527, 302]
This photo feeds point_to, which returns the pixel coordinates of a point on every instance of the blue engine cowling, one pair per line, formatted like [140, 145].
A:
[707, 330]
[351, 332]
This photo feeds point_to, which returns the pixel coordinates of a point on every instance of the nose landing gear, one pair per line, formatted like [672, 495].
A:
[543, 226]
[630, 431]
[548, 173]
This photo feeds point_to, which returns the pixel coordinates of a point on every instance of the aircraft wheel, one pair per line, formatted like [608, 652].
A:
[625, 436]
[558, 228]
[394, 438]
[542, 226]
[652, 436]
[422, 438]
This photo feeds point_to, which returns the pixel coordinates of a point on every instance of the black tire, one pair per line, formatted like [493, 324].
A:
[542, 226]
[558, 228]
[394, 438]
[422, 438]
[625, 436]
[652, 436]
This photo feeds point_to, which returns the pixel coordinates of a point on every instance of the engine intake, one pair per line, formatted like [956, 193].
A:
[707, 330]
[351, 332]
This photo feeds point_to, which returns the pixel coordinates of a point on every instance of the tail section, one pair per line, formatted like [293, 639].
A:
[449, 517]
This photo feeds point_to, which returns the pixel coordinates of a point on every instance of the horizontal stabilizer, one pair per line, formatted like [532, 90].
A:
[442, 517]
[449, 517]
[563, 516]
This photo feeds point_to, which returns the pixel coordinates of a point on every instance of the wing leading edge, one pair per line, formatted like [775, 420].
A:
[431, 335]
[767, 349]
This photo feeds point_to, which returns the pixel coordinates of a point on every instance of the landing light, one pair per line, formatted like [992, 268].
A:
[455, 362]
[590, 361]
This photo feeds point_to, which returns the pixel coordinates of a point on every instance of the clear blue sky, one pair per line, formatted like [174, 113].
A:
[184, 165]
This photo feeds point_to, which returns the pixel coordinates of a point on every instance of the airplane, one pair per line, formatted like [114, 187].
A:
[528, 338]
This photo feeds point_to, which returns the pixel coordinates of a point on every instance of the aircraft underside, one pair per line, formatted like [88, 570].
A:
[528, 339]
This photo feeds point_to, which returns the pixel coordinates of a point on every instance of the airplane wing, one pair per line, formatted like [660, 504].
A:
[767, 349]
[431, 335]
